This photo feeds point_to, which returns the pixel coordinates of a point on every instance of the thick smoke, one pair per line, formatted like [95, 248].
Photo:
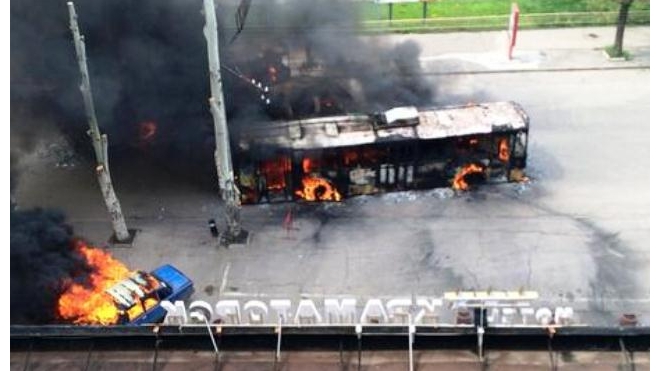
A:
[376, 75]
[148, 63]
[42, 263]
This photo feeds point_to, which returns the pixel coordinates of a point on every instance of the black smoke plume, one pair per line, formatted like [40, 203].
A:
[148, 63]
[42, 262]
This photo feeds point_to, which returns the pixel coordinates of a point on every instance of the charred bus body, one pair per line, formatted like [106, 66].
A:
[331, 158]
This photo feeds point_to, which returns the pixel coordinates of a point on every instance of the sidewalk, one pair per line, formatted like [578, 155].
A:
[542, 50]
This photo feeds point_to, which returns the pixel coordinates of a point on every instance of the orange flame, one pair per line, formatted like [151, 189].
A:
[89, 303]
[309, 165]
[147, 130]
[504, 150]
[318, 189]
[459, 182]
[276, 172]
[272, 73]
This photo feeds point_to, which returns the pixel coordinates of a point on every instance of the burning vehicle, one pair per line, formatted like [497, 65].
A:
[405, 148]
[138, 296]
[115, 295]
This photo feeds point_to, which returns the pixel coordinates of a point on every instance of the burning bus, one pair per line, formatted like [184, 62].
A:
[404, 148]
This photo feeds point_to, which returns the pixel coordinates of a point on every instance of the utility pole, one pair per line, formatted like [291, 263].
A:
[99, 142]
[233, 233]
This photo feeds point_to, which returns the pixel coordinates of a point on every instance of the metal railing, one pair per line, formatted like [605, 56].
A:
[263, 24]
[318, 337]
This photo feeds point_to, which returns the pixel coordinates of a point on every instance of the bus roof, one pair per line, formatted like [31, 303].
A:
[352, 130]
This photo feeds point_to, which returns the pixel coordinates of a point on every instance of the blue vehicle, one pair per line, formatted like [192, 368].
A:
[138, 296]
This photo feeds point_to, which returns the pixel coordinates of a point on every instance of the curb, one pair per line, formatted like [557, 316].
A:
[568, 69]
[613, 59]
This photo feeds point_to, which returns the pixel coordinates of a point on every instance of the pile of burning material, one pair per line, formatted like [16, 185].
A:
[503, 150]
[314, 187]
[466, 175]
[318, 189]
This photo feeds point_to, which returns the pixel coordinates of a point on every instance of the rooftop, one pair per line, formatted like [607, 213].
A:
[399, 123]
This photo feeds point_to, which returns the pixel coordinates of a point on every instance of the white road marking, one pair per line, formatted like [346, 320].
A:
[615, 253]
[224, 278]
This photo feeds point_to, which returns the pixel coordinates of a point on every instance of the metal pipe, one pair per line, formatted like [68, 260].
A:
[279, 338]
[411, 332]
[208, 326]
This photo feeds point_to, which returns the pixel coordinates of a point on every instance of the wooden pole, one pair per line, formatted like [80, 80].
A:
[99, 142]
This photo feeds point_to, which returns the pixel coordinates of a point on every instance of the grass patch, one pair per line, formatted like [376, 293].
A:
[500, 22]
[611, 52]
[480, 8]
[457, 15]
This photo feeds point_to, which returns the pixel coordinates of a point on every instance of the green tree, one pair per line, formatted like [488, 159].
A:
[624, 7]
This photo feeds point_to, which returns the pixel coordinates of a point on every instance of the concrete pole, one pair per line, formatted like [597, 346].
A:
[99, 142]
[229, 192]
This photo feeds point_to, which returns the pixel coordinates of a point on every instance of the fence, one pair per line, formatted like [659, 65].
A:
[500, 22]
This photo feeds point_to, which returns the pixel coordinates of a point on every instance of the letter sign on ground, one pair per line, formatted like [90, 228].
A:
[504, 308]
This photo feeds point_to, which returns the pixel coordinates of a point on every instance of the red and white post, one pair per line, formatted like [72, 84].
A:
[513, 27]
